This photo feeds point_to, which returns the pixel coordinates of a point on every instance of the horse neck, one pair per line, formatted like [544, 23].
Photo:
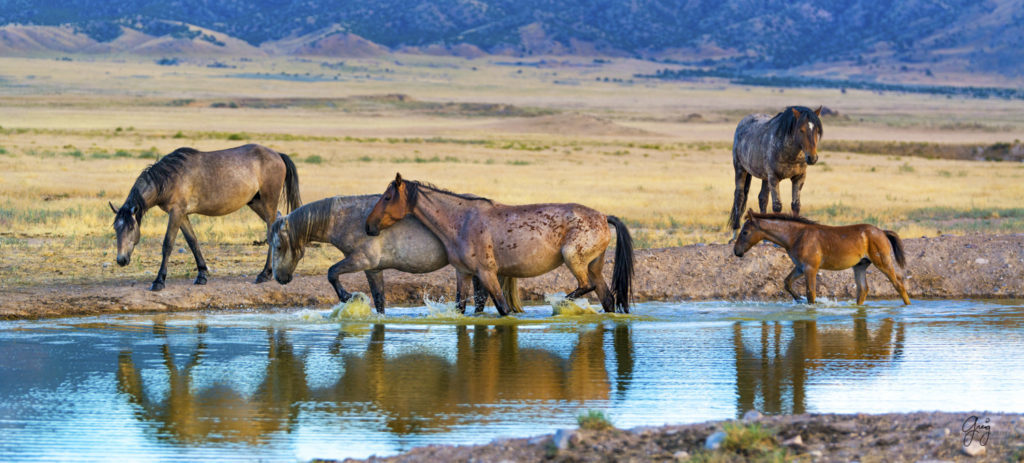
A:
[142, 195]
[781, 232]
[441, 213]
[310, 222]
[786, 148]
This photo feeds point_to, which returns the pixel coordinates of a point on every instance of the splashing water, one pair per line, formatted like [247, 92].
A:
[358, 306]
[561, 306]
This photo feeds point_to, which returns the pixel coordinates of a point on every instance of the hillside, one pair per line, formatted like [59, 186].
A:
[850, 38]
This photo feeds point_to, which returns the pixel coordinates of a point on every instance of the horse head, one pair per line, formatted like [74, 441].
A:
[285, 254]
[749, 235]
[126, 226]
[392, 206]
[808, 132]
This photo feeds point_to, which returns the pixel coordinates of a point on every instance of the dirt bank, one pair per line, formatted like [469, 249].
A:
[890, 437]
[974, 266]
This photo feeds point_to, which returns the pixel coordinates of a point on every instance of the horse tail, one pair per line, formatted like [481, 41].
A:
[622, 274]
[897, 247]
[291, 183]
[510, 288]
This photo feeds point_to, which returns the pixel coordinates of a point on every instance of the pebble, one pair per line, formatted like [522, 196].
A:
[681, 455]
[981, 261]
[752, 415]
[974, 450]
[816, 454]
[181, 250]
[714, 441]
[795, 441]
[563, 438]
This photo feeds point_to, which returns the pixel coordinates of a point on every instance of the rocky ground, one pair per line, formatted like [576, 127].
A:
[973, 266]
[897, 437]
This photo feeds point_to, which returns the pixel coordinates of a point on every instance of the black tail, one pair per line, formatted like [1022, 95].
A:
[291, 183]
[897, 247]
[622, 274]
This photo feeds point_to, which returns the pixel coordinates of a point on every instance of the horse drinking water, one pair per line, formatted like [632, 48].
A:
[769, 148]
[211, 183]
[812, 246]
[408, 246]
[484, 239]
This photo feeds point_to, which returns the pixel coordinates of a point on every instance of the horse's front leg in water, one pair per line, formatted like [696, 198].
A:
[479, 295]
[489, 280]
[173, 224]
[461, 289]
[376, 281]
[349, 264]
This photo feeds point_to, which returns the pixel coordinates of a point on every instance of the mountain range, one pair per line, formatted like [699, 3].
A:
[973, 36]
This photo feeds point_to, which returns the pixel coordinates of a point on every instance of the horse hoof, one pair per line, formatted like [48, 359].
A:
[262, 278]
[200, 280]
[157, 286]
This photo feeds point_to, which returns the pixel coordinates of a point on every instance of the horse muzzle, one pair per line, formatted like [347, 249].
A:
[283, 279]
[123, 260]
[812, 158]
[737, 252]
[372, 231]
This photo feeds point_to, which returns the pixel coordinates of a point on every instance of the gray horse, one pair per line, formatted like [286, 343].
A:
[211, 183]
[408, 246]
[769, 148]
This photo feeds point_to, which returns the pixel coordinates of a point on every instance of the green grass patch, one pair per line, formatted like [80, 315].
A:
[314, 159]
[594, 420]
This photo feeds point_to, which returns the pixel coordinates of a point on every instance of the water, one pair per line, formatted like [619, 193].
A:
[291, 385]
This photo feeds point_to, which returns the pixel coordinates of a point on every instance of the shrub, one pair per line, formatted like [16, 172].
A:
[594, 420]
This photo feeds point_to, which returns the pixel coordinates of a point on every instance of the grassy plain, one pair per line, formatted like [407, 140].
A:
[76, 133]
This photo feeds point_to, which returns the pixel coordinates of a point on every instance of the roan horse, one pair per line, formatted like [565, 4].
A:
[812, 246]
[484, 239]
[408, 246]
[769, 148]
[212, 183]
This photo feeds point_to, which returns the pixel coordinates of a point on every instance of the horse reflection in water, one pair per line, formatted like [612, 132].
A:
[774, 378]
[414, 392]
[189, 414]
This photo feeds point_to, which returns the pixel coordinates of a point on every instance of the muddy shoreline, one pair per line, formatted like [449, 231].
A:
[919, 436]
[972, 266]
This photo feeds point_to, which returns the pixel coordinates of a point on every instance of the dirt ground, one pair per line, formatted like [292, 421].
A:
[911, 437]
[973, 266]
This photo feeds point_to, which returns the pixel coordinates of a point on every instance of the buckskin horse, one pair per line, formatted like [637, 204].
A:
[813, 246]
[407, 246]
[212, 183]
[769, 148]
[484, 239]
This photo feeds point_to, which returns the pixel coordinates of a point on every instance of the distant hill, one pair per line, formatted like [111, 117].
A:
[985, 37]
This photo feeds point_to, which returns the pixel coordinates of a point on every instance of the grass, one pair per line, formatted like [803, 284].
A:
[594, 420]
[745, 442]
[672, 184]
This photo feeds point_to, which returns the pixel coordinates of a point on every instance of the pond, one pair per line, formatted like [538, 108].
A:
[287, 385]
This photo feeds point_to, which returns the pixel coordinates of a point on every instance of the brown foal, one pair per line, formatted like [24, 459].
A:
[813, 246]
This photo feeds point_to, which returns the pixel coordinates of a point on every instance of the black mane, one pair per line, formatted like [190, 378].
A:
[786, 122]
[412, 192]
[165, 171]
[782, 216]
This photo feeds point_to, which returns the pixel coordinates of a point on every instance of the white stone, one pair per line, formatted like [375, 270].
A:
[681, 455]
[562, 438]
[981, 261]
[714, 441]
[752, 415]
[974, 450]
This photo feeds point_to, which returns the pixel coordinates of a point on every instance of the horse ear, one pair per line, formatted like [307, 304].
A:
[750, 216]
[398, 178]
[112, 207]
[796, 112]
[817, 112]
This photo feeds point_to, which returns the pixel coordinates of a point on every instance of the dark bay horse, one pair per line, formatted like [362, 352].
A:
[813, 246]
[408, 246]
[484, 239]
[211, 183]
[769, 148]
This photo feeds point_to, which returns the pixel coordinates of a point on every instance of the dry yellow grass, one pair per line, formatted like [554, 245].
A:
[63, 156]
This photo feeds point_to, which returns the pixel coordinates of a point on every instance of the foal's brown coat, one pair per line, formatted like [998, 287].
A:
[484, 239]
[812, 246]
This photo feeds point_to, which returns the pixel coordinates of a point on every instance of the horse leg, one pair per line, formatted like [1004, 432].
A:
[788, 282]
[479, 295]
[489, 280]
[798, 184]
[885, 265]
[462, 281]
[811, 276]
[266, 208]
[861, 277]
[773, 186]
[376, 280]
[349, 264]
[739, 200]
[600, 286]
[762, 197]
[193, 244]
[173, 224]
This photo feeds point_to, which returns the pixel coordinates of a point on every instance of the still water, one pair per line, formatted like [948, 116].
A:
[287, 386]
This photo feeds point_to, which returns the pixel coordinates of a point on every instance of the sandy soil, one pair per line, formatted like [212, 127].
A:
[842, 438]
[974, 266]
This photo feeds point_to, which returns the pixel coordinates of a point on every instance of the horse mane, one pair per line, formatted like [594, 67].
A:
[162, 173]
[782, 216]
[412, 192]
[785, 121]
[308, 217]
